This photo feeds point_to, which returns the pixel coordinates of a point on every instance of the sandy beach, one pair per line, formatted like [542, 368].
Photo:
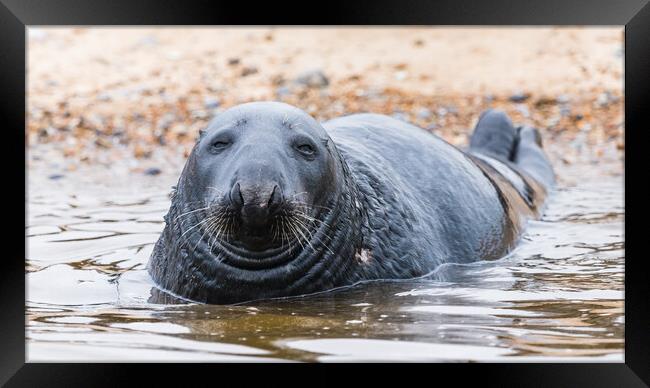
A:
[102, 95]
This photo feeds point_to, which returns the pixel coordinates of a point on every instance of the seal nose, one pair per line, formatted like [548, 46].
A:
[255, 203]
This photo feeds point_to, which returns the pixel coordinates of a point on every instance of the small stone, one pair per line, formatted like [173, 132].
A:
[56, 176]
[277, 80]
[424, 113]
[102, 142]
[152, 171]
[199, 114]
[553, 121]
[140, 151]
[211, 103]
[519, 97]
[248, 70]
[46, 132]
[523, 109]
[605, 99]
[400, 116]
[545, 101]
[233, 61]
[562, 99]
[312, 78]
[282, 91]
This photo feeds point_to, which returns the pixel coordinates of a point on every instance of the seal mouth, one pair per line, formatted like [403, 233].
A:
[243, 258]
[229, 239]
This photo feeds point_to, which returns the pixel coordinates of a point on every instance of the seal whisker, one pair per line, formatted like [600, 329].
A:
[299, 228]
[293, 230]
[190, 212]
[215, 233]
[186, 239]
[311, 235]
[204, 232]
[302, 205]
[313, 220]
[213, 236]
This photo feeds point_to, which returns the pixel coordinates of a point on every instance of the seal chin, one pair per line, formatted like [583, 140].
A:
[239, 256]
[255, 240]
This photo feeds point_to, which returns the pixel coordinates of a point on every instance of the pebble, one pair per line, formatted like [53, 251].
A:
[424, 113]
[400, 116]
[248, 70]
[523, 109]
[553, 121]
[605, 99]
[166, 121]
[519, 97]
[211, 103]
[56, 176]
[199, 114]
[313, 78]
[282, 91]
[152, 171]
[104, 97]
[233, 61]
[562, 99]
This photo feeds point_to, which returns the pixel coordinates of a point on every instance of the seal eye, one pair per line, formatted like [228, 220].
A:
[220, 145]
[306, 149]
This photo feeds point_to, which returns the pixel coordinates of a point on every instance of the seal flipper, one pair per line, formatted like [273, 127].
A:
[530, 157]
[515, 152]
[494, 136]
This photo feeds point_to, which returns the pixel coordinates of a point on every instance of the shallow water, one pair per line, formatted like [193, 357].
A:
[557, 297]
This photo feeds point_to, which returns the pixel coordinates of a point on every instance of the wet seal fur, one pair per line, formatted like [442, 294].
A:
[383, 199]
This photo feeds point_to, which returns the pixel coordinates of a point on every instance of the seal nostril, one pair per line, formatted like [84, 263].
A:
[275, 199]
[236, 197]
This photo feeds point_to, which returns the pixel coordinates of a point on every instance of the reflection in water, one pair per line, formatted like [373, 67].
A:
[559, 296]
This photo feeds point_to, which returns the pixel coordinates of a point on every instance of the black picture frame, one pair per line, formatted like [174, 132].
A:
[16, 15]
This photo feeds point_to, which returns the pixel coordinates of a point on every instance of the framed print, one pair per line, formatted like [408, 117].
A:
[423, 184]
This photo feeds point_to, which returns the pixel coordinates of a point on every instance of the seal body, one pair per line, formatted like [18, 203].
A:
[393, 201]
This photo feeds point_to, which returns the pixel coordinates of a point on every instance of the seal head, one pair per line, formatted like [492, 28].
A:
[257, 208]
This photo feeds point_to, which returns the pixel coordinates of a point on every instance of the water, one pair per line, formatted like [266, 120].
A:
[557, 297]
